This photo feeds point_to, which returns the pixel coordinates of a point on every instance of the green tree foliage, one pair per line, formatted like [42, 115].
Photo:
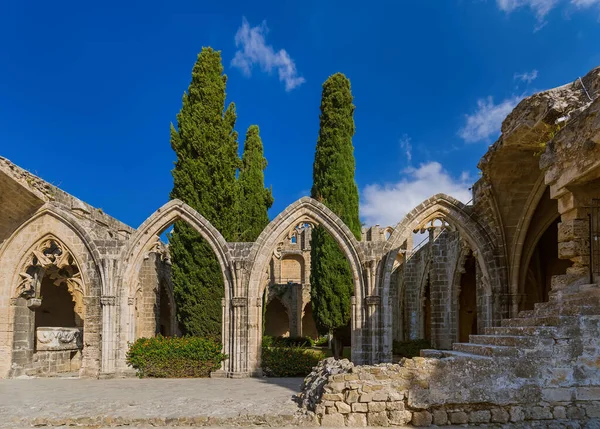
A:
[255, 198]
[204, 177]
[333, 184]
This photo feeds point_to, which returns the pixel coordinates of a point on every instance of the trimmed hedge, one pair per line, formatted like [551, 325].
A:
[270, 341]
[173, 357]
[289, 361]
[409, 349]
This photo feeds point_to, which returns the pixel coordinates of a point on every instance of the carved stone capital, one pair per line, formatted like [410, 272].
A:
[108, 300]
[13, 301]
[239, 301]
[130, 300]
[373, 300]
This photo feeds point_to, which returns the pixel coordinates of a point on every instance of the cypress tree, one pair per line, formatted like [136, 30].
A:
[256, 200]
[204, 177]
[333, 184]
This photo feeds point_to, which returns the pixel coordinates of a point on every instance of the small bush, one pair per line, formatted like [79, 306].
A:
[171, 357]
[289, 361]
[270, 341]
[409, 349]
[322, 341]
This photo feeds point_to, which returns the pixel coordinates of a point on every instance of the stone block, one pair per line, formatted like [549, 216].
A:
[359, 407]
[538, 413]
[592, 410]
[422, 418]
[395, 406]
[366, 397]
[480, 416]
[335, 387]
[333, 420]
[459, 418]
[377, 406]
[380, 396]
[588, 393]
[333, 397]
[343, 408]
[394, 395]
[440, 417]
[500, 415]
[557, 395]
[517, 414]
[378, 419]
[399, 418]
[559, 412]
[575, 413]
[356, 420]
[351, 396]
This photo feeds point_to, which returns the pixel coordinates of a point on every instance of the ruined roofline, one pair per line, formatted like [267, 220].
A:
[527, 125]
[49, 193]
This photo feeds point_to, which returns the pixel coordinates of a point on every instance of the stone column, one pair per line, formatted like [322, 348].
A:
[573, 238]
[109, 335]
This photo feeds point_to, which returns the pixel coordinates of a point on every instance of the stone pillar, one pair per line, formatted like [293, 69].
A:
[109, 335]
[573, 238]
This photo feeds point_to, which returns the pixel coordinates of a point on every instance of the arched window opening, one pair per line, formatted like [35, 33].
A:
[427, 310]
[309, 328]
[277, 323]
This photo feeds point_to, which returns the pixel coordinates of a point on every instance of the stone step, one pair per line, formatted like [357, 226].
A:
[538, 331]
[504, 340]
[485, 350]
[532, 321]
[463, 355]
[526, 313]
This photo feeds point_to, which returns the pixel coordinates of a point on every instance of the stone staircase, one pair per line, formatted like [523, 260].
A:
[532, 332]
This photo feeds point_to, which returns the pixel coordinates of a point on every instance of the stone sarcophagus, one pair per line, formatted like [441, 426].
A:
[53, 338]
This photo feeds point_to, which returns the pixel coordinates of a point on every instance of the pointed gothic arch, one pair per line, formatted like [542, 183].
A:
[51, 241]
[308, 210]
[457, 214]
[144, 241]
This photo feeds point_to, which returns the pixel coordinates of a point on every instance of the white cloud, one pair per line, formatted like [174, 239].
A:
[486, 121]
[253, 49]
[406, 146]
[541, 8]
[527, 77]
[388, 204]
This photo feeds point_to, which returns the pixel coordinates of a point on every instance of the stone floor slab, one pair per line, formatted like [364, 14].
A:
[153, 402]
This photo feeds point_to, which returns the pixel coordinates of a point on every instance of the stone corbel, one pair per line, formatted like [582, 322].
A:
[373, 300]
[130, 300]
[108, 300]
[34, 303]
[239, 301]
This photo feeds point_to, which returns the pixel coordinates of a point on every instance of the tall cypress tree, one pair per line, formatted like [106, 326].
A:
[333, 184]
[256, 200]
[205, 178]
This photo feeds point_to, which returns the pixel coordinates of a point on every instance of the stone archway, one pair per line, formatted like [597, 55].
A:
[145, 241]
[455, 213]
[51, 249]
[307, 210]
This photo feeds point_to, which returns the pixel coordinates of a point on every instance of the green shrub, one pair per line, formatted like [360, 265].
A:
[289, 361]
[409, 349]
[172, 357]
[270, 341]
[322, 341]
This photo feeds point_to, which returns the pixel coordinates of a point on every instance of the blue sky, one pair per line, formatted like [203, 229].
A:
[87, 91]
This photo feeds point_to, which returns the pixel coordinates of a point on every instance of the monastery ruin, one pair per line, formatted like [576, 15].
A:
[505, 289]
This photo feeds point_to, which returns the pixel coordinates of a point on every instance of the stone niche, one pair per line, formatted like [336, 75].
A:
[57, 339]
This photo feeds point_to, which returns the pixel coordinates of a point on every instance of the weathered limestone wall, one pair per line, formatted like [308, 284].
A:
[555, 377]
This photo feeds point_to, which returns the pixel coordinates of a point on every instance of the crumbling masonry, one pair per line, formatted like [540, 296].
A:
[506, 285]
